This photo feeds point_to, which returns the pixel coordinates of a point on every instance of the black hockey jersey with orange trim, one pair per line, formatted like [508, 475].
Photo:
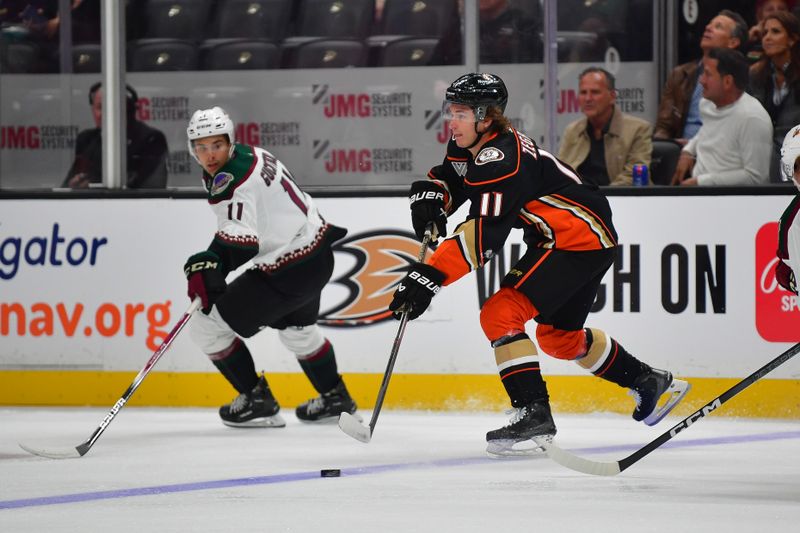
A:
[512, 183]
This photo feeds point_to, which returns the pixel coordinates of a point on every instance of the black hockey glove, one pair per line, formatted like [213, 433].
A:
[415, 291]
[784, 275]
[427, 205]
[204, 272]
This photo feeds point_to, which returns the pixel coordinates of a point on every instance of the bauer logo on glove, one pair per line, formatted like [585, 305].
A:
[428, 203]
[422, 280]
[427, 195]
[415, 291]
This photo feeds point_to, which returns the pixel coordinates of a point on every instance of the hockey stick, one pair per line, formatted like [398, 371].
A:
[602, 468]
[349, 423]
[81, 449]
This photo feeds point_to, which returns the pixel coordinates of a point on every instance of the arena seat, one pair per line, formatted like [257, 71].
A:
[330, 53]
[429, 18]
[408, 52]
[253, 19]
[664, 161]
[19, 57]
[176, 19]
[341, 19]
[162, 55]
[239, 54]
[86, 58]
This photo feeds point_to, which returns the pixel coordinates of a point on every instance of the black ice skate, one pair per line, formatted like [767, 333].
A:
[648, 389]
[255, 409]
[516, 438]
[327, 406]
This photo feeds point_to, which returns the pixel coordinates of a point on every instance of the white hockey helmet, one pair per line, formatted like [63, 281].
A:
[790, 152]
[208, 122]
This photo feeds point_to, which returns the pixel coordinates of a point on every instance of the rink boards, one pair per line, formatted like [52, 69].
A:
[89, 291]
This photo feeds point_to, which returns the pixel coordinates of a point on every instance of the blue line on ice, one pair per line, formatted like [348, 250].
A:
[356, 471]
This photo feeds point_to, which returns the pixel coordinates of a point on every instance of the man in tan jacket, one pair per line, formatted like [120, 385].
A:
[605, 145]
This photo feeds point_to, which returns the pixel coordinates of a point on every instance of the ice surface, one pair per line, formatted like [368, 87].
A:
[181, 470]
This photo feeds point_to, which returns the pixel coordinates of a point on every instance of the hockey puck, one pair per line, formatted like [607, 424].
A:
[333, 472]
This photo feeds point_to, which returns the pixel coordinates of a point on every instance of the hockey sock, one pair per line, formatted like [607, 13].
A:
[320, 367]
[518, 366]
[236, 363]
[607, 359]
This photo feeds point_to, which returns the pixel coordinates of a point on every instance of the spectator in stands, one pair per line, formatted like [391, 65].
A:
[734, 144]
[84, 18]
[594, 44]
[775, 79]
[508, 34]
[605, 144]
[764, 8]
[147, 149]
[678, 113]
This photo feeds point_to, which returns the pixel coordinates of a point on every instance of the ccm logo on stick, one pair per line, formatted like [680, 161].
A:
[695, 417]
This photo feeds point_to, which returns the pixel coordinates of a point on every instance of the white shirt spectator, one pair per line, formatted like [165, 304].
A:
[734, 145]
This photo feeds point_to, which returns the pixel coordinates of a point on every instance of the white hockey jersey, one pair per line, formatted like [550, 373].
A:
[789, 236]
[261, 210]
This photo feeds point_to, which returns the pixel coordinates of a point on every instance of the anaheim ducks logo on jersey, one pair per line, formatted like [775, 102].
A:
[220, 182]
[489, 154]
[381, 260]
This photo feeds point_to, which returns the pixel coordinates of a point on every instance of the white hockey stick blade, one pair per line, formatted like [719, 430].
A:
[353, 427]
[579, 464]
[62, 453]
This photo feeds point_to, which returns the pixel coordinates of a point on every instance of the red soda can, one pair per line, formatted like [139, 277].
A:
[640, 175]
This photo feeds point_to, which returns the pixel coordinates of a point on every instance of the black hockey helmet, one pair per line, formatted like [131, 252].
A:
[478, 91]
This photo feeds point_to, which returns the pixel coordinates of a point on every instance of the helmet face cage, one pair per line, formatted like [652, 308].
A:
[207, 123]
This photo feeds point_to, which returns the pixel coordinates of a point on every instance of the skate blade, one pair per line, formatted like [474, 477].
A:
[674, 394]
[501, 449]
[274, 421]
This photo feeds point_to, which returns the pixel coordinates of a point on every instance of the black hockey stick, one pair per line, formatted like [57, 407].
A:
[601, 468]
[349, 423]
[81, 449]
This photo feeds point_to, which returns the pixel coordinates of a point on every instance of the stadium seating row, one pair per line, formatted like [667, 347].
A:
[241, 54]
[274, 20]
[169, 35]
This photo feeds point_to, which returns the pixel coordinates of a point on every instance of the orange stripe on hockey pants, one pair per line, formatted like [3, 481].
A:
[505, 313]
[560, 343]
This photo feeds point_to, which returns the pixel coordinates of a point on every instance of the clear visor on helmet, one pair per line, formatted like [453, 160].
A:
[462, 112]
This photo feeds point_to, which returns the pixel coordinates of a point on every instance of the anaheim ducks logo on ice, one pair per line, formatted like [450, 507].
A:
[381, 260]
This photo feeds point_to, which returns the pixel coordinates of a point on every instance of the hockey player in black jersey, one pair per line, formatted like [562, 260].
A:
[509, 182]
[263, 217]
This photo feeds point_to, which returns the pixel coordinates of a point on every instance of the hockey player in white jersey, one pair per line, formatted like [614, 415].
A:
[788, 266]
[263, 217]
